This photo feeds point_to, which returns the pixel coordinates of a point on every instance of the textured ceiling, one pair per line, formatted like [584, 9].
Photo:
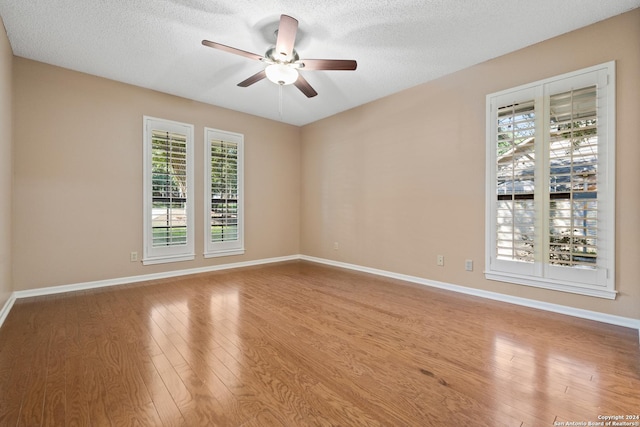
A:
[398, 44]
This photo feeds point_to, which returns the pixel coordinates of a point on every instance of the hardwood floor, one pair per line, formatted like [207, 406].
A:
[300, 344]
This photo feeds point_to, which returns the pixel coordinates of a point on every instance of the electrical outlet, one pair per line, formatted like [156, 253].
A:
[468, 265]
[336, 246]
[134, 256]
[441, 260]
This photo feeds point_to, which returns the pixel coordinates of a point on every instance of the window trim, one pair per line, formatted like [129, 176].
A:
[229, 248]
[185, 252]
[534, 274]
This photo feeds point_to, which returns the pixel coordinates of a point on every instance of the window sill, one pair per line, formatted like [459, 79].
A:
[229, 252]
[592, 291]
[166, 259]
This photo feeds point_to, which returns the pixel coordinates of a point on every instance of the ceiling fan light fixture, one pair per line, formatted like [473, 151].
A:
[281, 74]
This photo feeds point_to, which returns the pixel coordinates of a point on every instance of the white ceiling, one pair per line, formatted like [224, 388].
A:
[398, 44]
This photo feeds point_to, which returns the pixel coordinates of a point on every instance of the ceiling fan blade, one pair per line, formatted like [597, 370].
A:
[233, 50]
[286, 36]
[253, 79]
[328, 64]
[305, 87]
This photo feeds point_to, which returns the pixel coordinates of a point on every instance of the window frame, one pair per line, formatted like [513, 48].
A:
[540, 273]
[186, 252]
[230, 247]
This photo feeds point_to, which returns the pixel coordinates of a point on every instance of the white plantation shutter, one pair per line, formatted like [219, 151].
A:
[169, 188]
[223, 193]
[168, 191]
[573, 184]
[550, 175]
[515, 174]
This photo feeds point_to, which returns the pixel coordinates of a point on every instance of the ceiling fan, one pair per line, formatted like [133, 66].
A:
[283, 60]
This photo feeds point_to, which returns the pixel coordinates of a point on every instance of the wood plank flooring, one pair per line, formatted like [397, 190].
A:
[298, 344]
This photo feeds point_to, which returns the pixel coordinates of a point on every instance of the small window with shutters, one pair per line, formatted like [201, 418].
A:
[550, 183]
[168, 191]
[224, 211]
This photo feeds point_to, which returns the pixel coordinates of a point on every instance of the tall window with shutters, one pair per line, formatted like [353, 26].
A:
[168, 191]
[224, 210]
[550, 183]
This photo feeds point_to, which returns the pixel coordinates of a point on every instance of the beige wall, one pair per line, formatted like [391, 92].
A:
[6, 171]
[78, 177]
[400, 180]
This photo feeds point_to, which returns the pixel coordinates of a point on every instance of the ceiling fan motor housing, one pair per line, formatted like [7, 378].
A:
[281, 57]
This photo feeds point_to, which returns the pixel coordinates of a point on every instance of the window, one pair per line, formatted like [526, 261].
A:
[550, 183]
[223, 193]
[168, 191]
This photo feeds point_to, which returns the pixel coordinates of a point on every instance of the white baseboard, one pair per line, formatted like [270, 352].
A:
[145, 277]
[556, 308]
[4, 312]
